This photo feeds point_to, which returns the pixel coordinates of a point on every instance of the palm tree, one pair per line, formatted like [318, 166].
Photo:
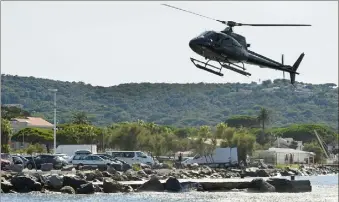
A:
[80, 118]
[264, 117]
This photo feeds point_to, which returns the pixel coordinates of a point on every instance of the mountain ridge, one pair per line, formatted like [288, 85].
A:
[178, 104]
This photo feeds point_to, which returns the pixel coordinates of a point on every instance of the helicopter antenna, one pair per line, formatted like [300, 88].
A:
[232, 23]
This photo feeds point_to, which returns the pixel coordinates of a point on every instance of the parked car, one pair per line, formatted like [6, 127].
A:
[117, 165]
[82, 152]
[57, 161]
[125, 166]
[132, 157]
[6, 160]
[19, 160]
[92, 160]
[64, 156]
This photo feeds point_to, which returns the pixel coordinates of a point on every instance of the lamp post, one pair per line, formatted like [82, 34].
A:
[54, 91]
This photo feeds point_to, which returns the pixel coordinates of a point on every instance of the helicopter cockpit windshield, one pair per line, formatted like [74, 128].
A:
[205, 34]
[210, 35]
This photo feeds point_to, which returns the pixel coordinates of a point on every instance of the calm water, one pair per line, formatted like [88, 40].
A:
[325, 188]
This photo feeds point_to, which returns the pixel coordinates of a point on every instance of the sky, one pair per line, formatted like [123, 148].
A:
[109, 43]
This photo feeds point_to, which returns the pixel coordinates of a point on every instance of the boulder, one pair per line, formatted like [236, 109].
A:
[92, 175]
[67, 190]
[262, 173]
[86, 189]
[46, 167]
[67, 168]
[152, 185]
[260, 185]
[55, 181]
[73, 181]
[6, 186]
[285, 185]
[172, 185]
[148, 171]
[111, 186]
[25, 183]
[106, 174]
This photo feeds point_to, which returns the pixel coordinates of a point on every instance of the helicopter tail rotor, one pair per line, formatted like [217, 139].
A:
[282, 62]
[295, 67]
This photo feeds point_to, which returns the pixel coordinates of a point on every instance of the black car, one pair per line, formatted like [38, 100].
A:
[57, 161]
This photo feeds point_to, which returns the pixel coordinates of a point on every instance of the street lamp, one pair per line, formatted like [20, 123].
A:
[54, 91]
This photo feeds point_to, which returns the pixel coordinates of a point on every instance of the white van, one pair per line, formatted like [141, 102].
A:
[131, 157]
[226, 156]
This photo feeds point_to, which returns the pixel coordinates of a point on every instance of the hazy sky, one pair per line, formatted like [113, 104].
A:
[108, 43]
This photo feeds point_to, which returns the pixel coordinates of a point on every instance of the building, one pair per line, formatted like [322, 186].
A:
[29, 122]
[286, 143]
[276, 156]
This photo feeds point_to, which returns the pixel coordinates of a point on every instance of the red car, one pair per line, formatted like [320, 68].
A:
[4, 163]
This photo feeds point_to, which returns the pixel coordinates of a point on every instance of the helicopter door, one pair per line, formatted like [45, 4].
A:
[227, 42]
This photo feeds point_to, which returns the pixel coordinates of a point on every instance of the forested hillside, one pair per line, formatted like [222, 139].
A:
[175, 104]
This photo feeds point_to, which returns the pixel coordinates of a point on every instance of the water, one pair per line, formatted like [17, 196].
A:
[324, 188]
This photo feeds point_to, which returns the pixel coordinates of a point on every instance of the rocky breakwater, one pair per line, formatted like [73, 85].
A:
[112, 181]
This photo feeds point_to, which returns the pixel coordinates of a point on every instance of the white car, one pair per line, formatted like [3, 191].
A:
[132, 157]
[89, 160]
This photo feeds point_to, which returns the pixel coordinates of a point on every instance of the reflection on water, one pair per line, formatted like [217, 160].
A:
[325, 188]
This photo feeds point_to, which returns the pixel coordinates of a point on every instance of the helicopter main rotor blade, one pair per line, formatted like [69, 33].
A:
[223, 22]
[272, 25]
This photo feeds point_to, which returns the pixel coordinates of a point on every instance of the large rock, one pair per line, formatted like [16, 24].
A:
[285, 185]
[73, 181]
[111, 186]
[6, 186]
[86, 189]
[173, 185]
[152, 185]
[55, 181]
[261, 185]
[67, 190]
[262, 173]
[46, 166]
[25, 183]
[67, 168]
[92, 175]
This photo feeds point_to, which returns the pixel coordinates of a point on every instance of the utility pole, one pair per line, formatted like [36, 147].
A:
[54, 135]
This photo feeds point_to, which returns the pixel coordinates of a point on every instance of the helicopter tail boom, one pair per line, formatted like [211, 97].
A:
[295, 67]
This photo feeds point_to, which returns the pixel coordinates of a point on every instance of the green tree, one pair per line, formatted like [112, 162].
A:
[6, 132]
[315, 148]
[13, 112]
[35, 135]
[80, 118]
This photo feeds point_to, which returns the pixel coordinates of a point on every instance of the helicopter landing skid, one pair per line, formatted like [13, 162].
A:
[205, 67]
[226, 66]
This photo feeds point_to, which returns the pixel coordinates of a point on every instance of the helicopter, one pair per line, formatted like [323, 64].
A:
[231, 51]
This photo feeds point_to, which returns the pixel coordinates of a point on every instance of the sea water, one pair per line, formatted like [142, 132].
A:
[324, 188]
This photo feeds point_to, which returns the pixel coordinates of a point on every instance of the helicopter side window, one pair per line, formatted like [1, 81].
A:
[227, 42]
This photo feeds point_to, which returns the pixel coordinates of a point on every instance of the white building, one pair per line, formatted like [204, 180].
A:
[284, 156]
